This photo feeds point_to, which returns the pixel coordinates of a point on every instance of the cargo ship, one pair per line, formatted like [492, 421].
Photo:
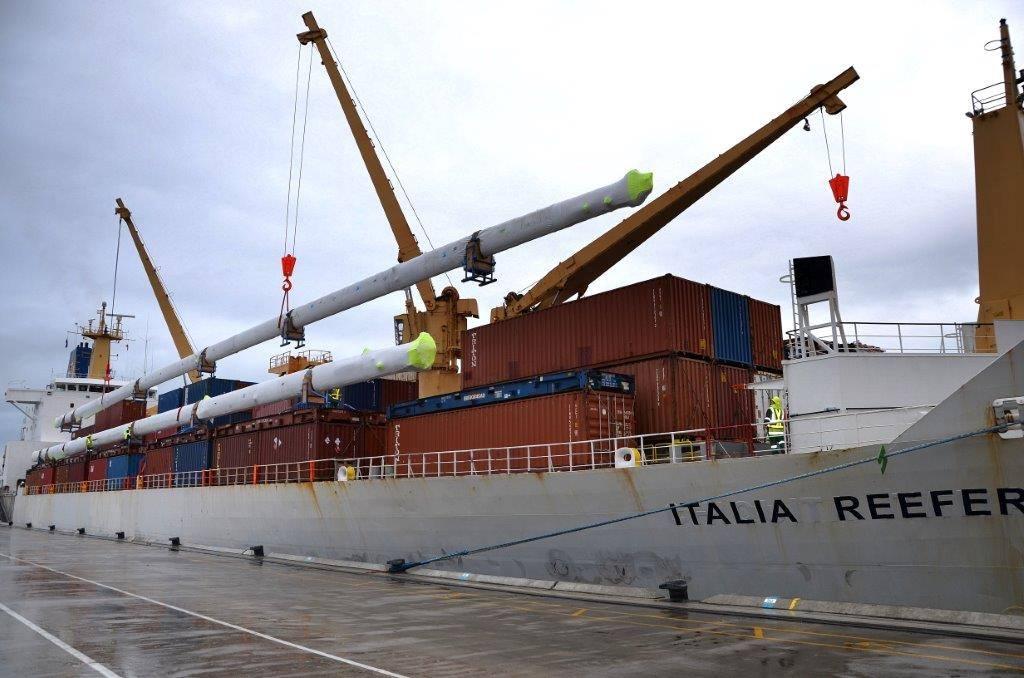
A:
[556, 444]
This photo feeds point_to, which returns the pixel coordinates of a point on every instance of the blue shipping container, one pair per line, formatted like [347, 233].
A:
[212, 386]
[364, 396]
[730, 324]
[194, 456]
[123, 466]
[169, 401]
[548, 384]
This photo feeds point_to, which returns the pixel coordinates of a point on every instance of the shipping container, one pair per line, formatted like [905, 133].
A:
[60, 474]
[96, 469]
[476, 440]
[212, 387]
[157, 467]
[84, 431]
[734, 404]
[46, 476]
[673, 393]
[377, 395]
[306, 442]
[232, 455]
[663, 315]
[171, 400]
[730, 321]
[270, 409]
[547, 384]
[121, 471]
[119, 414]
[766, 335]
[190, 459]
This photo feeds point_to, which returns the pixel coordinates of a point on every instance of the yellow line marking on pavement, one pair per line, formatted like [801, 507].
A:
[758, 632]
[793, 603]
[579, 613]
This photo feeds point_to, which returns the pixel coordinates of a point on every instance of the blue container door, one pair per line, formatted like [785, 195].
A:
[189, 459]
[365, 397]
[171, 400]
[119, 468]
[730, 321]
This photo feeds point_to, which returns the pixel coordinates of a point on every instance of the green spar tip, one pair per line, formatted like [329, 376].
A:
[422, 351]
[639, 185]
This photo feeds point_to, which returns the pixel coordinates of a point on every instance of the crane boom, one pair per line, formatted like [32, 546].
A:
[573, 276]
[174, 326]
[408, 246]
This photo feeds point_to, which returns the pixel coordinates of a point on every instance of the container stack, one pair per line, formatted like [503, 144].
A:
[541, 418]
[690, 347]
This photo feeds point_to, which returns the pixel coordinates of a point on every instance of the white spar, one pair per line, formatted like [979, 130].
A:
[629, 191]
[418, 354]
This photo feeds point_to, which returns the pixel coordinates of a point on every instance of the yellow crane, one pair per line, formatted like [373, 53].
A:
[445, 315]
[573, 275]
[998, 122]
[163, 299]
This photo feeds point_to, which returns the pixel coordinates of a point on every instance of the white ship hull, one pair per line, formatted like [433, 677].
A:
[942, 527]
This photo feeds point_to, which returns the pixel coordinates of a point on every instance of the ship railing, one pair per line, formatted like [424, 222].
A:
[843, 430]
[988, 98]
[900, 337]
[803, 434]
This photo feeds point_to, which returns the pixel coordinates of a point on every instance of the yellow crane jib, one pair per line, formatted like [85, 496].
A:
[573, 275]
[163, 299]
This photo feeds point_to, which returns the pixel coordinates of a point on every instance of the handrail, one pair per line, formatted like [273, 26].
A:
[684, 446]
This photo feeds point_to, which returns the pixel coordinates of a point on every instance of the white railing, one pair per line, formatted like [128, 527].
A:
[887, 337]
[803, 434]
[842, 430]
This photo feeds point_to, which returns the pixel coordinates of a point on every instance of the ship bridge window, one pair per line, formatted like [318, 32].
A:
[83, 387]
[96, 389]
[60, 387]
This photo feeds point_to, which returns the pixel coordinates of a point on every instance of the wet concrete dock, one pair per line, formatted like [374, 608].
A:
[72, 606]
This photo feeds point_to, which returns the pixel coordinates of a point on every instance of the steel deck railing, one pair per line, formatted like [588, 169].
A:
[811, 434]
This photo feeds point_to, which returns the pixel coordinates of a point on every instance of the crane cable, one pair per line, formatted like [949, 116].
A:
[288, 258]
[839, 183]
[384, 152]
[107, 374]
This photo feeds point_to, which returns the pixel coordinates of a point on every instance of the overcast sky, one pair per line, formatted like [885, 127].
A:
[489, 111]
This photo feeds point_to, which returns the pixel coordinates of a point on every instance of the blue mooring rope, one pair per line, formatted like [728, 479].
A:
[399, 566]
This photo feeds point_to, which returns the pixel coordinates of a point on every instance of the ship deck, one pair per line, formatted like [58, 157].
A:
[69, 604]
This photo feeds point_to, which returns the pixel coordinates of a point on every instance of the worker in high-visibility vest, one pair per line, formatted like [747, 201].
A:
[88, 442]
[776, 425]
[128, 434]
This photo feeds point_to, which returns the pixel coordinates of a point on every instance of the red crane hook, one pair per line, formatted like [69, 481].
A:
[840, 185]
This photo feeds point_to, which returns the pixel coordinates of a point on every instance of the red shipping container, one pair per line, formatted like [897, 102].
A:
[232, 455]
[76, 472]
[96, 469]
[672, 393]
[60, 475]
[158, 467]
[475, 440]
[663, 315]
[84, 431]
[120, 413]
[305, 442]
[46, 476]
[734, 404]
[766, 335]
[394, 391]
[273, 408]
